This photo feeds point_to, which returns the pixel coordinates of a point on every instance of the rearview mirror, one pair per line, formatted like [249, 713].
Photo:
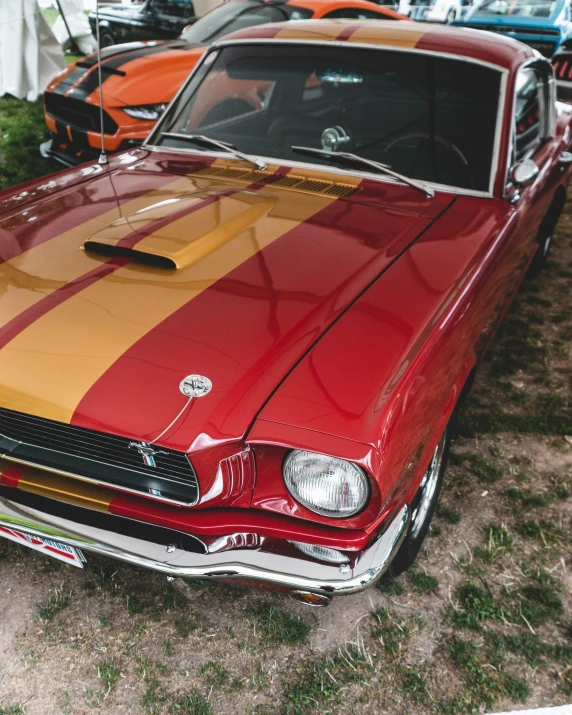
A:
[524, 173]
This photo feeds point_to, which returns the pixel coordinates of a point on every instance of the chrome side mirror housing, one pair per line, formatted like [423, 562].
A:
[524, 173]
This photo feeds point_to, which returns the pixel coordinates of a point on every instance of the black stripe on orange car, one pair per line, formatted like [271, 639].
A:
[90, 82]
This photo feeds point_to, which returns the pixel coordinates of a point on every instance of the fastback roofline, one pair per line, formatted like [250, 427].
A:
[362, 45]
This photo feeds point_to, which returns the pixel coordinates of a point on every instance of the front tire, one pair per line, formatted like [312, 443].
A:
[422, 507]
[106, 39]
[541, 255]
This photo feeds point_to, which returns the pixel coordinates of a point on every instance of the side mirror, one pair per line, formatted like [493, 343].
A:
[524, 173]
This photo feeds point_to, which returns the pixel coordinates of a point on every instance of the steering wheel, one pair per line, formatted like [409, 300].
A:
[453, 148]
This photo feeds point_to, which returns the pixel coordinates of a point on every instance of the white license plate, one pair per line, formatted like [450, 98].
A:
[57, 550]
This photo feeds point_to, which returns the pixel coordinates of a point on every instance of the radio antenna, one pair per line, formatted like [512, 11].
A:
[102, 161]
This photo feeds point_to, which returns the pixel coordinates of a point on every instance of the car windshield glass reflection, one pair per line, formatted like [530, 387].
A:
[517, 8]
[233, 16]
[429, 118]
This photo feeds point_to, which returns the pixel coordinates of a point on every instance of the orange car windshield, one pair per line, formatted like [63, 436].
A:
[430, 118]
[233, 16]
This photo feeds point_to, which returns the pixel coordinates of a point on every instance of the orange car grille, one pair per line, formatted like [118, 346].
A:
[77, 114]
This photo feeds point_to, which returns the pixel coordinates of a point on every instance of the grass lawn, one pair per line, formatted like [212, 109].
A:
[51, 14]
[22, 130]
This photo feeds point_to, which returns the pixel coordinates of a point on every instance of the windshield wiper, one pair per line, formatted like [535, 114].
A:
[347, 156]
[202, 139]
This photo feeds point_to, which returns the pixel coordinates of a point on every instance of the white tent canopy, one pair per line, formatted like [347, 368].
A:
[78, 26]
[30, 55]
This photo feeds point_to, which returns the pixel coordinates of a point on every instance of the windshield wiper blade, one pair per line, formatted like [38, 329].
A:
[384, 168]
[229, 148]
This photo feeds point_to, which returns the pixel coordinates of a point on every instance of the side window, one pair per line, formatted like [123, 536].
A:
[529, 119]
[177, 8]
[258, 15]
[355, 13]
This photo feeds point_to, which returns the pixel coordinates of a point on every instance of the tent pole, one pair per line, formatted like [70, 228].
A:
[73, 47]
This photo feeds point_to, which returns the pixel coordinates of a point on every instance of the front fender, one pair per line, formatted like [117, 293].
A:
[391, 370]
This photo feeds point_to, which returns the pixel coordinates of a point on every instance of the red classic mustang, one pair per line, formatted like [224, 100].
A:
[235, 353]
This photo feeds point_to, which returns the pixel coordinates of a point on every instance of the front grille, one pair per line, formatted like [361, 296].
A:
[98, 456]
[77, 113]
[516, 30]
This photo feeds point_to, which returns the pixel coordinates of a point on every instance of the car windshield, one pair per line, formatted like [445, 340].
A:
[429, 118]
[233, 16]
[516, 8]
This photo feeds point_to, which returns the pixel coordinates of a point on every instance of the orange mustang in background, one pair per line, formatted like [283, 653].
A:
[140, 78]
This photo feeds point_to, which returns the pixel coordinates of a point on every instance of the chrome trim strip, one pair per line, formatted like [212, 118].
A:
[495, 166]
[148, 146]
[271, 568]
[549, 124]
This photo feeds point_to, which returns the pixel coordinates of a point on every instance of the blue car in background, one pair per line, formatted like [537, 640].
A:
[543, 24]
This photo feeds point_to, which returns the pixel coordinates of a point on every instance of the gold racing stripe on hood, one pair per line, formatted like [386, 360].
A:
[66, 489]
[32, 275]
[48, 368]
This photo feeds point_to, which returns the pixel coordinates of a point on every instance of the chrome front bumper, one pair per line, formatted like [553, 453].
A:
[256, 565]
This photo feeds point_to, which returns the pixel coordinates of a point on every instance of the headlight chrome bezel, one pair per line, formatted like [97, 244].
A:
[360, 477]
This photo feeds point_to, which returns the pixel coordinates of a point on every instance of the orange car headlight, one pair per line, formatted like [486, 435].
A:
[148, 112]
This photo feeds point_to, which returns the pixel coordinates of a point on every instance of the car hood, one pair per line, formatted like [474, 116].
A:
[113, 291]
[132, 74]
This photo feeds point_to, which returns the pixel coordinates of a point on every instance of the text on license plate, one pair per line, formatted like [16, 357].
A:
[60, 551]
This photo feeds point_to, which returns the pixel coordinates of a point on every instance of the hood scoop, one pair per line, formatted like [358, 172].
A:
[106, 251]
[178, 232]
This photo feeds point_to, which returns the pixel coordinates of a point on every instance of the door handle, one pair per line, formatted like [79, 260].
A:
[565, 158]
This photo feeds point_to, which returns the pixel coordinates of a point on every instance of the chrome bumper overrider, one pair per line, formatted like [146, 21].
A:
[250, 564]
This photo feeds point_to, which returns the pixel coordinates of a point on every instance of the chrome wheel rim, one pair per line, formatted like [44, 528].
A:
[428, 487]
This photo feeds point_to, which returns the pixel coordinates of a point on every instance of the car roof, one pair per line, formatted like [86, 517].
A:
[334, 3]
[489, 47]
[325, 5]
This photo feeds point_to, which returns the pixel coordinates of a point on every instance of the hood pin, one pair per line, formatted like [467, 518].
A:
[195, 386]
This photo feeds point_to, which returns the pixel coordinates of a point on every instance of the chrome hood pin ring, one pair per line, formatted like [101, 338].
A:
[195, 386]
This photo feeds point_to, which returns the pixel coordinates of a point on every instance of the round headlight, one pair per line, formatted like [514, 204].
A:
[326, 485]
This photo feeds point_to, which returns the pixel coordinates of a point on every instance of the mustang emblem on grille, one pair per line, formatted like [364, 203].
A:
[147, 452]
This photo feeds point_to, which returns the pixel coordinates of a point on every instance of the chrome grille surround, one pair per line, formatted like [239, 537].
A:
[96, 457]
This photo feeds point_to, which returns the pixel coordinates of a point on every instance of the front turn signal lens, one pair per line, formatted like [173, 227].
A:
[317, 600]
